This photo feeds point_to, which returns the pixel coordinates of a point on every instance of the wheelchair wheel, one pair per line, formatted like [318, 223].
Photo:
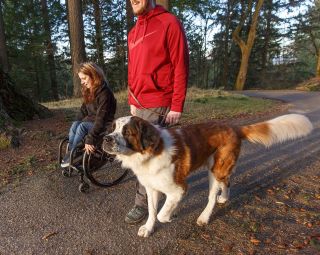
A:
[84, 187]
[63, 149]
[102, 170]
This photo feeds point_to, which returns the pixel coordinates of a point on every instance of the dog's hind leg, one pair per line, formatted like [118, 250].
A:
[172, 200]
[224, 160]
[153, 198]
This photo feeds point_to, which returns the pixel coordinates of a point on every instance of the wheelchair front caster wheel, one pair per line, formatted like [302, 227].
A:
[84, 187]
[67, 172]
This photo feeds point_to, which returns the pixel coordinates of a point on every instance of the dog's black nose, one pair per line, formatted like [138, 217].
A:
[107, 138]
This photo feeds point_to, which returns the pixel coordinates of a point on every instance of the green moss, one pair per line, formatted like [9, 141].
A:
[4, 142]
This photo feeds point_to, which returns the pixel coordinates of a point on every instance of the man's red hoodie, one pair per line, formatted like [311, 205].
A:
[158, 65]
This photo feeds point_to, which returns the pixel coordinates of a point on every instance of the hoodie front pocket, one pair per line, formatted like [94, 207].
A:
[163, 77]
[148, 83]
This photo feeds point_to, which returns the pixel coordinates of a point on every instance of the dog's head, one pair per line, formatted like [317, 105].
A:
[132, 135]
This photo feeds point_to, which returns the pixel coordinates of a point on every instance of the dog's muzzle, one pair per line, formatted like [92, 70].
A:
[108, 144]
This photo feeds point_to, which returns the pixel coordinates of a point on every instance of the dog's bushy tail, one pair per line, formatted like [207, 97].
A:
[277, 130]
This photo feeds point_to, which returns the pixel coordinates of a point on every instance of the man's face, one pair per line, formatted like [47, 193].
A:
[139, 6]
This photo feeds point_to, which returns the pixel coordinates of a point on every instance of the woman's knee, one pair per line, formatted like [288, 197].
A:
[74, 126]
[84, 128]
[81, 129]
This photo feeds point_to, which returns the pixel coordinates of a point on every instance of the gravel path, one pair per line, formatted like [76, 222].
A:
[45, 213]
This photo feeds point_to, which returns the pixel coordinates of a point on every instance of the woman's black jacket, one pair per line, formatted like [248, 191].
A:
[101, 112]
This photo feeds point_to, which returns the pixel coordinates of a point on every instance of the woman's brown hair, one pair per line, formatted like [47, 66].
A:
[97, 76]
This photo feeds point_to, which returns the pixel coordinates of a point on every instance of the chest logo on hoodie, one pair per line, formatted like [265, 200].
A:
[134, 44]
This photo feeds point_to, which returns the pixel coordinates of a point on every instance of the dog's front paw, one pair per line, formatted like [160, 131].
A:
[144, 231]
[221, 199]
[163, 218]
[202, 221]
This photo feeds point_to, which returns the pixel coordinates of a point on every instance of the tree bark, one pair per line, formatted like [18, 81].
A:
[78, 54]
[164, 3]
[3, 49]
[246, 47]
[318, 64]
[49, 50]
[225, 71]
[317, 50]
[99, 41]
[265, 49]
[130, 16]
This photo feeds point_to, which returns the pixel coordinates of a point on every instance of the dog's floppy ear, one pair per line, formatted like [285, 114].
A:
[149, 136]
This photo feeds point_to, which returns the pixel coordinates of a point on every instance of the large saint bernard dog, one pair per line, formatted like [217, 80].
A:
[163, 158]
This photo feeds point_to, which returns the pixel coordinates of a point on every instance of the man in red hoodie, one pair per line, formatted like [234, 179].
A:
[158, 67]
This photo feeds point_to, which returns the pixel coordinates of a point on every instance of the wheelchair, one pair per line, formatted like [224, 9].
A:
[99, 167]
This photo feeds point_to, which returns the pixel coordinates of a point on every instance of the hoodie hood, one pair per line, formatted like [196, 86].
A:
[143, 19]
[158, 9]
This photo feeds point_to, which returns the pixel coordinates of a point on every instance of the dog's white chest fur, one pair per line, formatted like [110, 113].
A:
[156, 172]
[153, 171]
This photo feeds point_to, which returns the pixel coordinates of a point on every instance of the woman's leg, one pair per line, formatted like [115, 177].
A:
[82, 130]
[72, 132]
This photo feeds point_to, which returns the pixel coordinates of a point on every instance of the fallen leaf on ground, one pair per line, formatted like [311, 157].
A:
[46, 237]
[270, 191]
[268, 241]
[282, 246]
[257, 198]
[255, 241]
[205, 237]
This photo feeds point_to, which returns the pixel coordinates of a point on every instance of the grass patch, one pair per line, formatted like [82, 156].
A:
[24, 166]
[215, 104]
[312, 84]
[200, 104]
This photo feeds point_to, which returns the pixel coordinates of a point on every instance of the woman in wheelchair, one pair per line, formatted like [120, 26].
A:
[96, 113]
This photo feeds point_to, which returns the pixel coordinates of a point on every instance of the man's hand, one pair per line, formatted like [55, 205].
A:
[173, 117]
[89, 148]
[133, 110]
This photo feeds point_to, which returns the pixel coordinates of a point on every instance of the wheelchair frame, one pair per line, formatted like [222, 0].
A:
[87, 166]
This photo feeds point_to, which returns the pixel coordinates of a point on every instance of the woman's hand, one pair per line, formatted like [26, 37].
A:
[89, 148]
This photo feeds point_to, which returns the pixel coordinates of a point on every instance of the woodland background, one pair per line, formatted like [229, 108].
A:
[234, 44]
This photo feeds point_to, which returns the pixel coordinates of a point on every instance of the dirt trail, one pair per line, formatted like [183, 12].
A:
[274, 206]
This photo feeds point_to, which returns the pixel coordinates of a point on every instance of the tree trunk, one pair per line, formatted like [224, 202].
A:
[318, 64]
[4, 63]
[78, 54]
[164, 3]
[99, 41]
[225, 71]
[49, 50]
[267, 36]
[246, 47]
[205, 63]
[242, 74]
[130, 16]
